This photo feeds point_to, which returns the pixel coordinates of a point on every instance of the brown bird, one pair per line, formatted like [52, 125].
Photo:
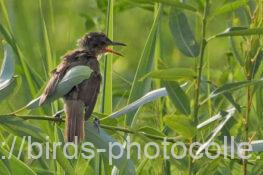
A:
[80, 101]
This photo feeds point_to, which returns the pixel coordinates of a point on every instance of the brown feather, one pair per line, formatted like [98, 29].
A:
[83, 96]
[74, 125]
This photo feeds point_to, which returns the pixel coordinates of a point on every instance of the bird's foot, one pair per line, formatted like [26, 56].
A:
[57, 116]
[96, 123]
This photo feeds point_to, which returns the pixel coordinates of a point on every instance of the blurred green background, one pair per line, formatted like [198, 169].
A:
[66, 21]
[44, 30]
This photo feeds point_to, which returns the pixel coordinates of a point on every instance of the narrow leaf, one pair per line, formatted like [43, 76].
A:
[107, 86]
[215, 118]
[178, 97]
[174, 3]
[215, 132]
[72, 78]
[172, 74]
[150, 130]
[16, 165]
[257, 145]
[144, 66]
[149, 97]
[101, 140]
[233, 86]
[181, 124]
[10, 124]
[229, 7]
[182, 33]
[239, 31]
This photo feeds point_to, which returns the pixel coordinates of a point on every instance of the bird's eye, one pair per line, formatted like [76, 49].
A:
[95, 45]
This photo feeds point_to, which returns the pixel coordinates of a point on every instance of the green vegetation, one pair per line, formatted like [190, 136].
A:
[191, 72]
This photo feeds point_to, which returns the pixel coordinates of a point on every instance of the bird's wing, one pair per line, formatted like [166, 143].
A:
[59, 72]
[57, 75]
[88, 92]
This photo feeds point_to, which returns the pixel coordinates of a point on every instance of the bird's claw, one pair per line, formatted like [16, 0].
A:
[96, 123]
[58, 117]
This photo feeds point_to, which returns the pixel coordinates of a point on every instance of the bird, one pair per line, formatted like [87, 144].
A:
[80, 101]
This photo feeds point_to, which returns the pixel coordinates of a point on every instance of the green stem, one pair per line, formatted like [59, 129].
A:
[246, 125]
[199, 69]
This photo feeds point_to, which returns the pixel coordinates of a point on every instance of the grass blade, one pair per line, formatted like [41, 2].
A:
[107, 86]
[145, 65]
[16, 165]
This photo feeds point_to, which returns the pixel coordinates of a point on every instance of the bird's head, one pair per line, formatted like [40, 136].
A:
[98, 43]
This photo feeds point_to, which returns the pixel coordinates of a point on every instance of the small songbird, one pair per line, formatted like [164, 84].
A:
[80, 101]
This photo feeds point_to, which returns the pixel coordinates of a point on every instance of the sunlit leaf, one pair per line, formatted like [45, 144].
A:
[215, 118]
[72, 78]
[150, 96]
[139, 88]
[239, 31]
[257, 145]
[229, 115]
[150, 130]
[181, 124]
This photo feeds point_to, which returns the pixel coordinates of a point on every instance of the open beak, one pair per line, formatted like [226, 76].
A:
[113, 43]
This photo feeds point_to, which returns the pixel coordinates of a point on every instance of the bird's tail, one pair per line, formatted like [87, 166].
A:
[74, 125]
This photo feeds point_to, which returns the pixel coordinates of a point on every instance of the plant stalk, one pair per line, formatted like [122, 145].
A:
[246, 125]
[199, 70]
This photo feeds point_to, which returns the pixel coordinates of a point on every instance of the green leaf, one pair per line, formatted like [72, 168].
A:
[215, 118]
[239, 31]
[72, 78]
[24, 128]
[174, 3]
[16, 165]
[149, 97]
[233, 86]
[229, 7]
[236, 51]
[9, 90]
[7, 80]
[229, 115]
[4, 169]
[172, 74]
[107, 86]
[178, 97]
[21, 59]
[101, 140]
[181, 124]
[150, 130]
[7, 70]
[50, 61]
[257, 145]
[182, 33]
[145, 64]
